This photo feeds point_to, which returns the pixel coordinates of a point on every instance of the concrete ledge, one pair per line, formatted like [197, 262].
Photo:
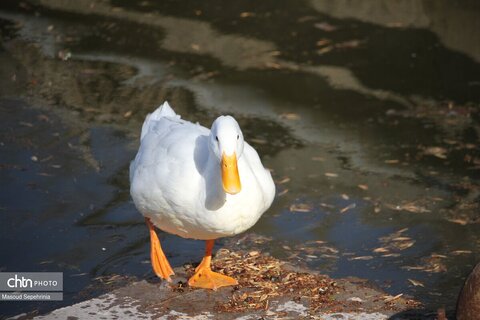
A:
[268, 288]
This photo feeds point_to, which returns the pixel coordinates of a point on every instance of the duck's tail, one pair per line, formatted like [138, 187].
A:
[163, 111]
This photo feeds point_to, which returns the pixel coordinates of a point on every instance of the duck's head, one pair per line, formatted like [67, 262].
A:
[226, 142]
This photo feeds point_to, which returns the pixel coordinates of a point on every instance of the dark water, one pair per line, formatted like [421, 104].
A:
[367, 114]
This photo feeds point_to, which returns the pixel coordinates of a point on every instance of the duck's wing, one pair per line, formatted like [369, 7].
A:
[166, 138]
[152, 119]
[262, 175]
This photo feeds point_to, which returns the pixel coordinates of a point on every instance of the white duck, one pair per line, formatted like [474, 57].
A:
[197, 183]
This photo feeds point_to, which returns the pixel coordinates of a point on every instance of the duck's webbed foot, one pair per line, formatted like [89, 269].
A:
[205, 278]
[160, 264]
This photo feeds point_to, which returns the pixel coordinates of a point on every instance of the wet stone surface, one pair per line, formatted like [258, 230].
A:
[267, 288]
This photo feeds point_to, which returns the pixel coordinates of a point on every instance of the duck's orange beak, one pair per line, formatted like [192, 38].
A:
[230, 177]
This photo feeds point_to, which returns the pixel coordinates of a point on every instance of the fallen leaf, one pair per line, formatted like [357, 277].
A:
[363, 186]
[325, 50]
[356, 299]
[438, 152]
[405, 245]
[391, 255]
[410, 207]
[273, 65]
[26, 124]
[401, 238]
[458, 252]
[462, 222]
[350, 206]
[290, 116]
[393, 161]
[392, 298]
[416, 283]
[323, 42]
[325, 26]
[362, 258]
[246, 14]
[284, 180]
[331, 175]
[44, 174]
[349, 44]
[301, 207]
[326, 205]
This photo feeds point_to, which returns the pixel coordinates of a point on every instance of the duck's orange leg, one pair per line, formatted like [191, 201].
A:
[205, 278]
[160, 264]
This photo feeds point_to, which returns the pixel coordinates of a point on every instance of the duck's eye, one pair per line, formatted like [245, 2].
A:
[238, 136]
[216, 138]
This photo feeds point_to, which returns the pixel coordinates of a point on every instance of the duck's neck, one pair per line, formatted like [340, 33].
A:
[215, 195]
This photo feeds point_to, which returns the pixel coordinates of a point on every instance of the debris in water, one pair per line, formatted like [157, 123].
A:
[325, 26]
[284, 180]
[438, 152]
[331, 175]
[290, 116]
[416, 283]
[350, 206]
[247, 14]
[300, 207]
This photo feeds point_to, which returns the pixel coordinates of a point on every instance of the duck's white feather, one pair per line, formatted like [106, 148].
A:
[176, 181]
